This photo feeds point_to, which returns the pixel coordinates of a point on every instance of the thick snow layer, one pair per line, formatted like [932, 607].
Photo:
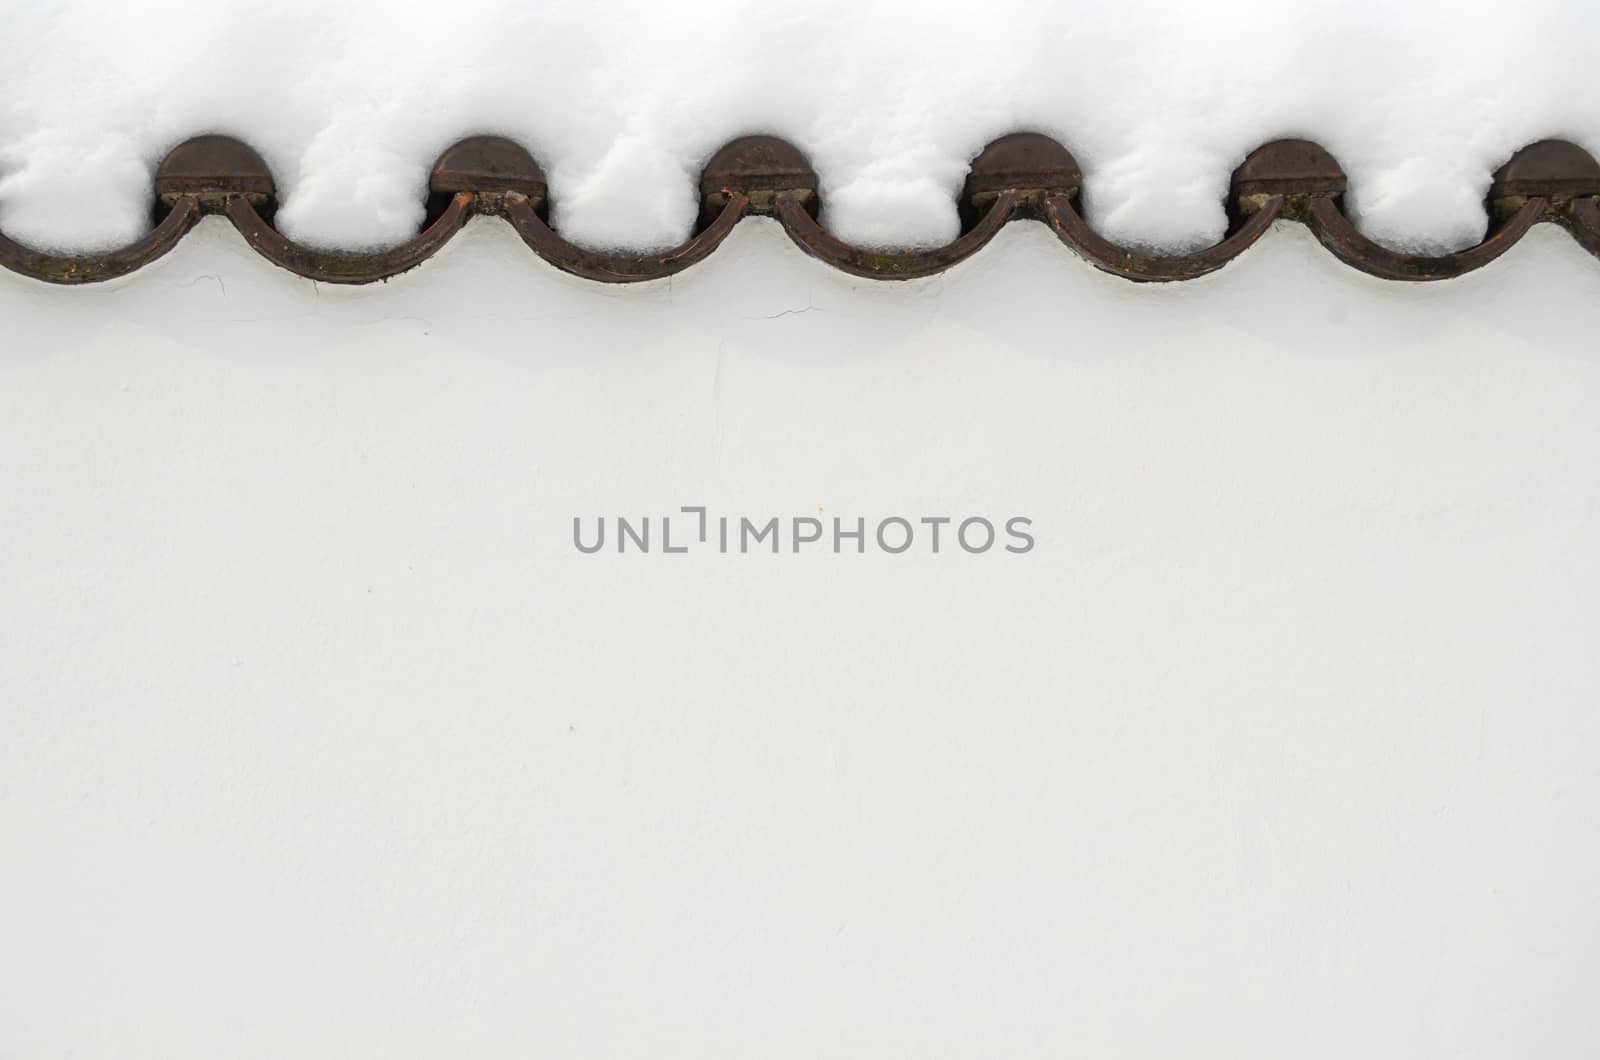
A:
[1159, 99]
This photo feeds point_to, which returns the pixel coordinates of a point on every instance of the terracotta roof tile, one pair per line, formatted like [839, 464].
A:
[1021, 176]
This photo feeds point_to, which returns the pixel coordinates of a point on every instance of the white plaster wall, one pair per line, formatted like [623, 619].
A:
[319, 740]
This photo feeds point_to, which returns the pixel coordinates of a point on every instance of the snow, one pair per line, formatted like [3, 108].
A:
[351, 102]
[318, 739]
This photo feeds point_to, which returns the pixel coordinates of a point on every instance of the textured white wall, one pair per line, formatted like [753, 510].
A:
[319, 739]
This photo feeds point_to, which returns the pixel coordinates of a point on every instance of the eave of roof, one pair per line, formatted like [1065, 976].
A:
[1023, 175]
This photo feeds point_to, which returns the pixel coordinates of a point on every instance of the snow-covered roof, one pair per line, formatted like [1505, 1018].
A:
[1023, 175]
[349, 104]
